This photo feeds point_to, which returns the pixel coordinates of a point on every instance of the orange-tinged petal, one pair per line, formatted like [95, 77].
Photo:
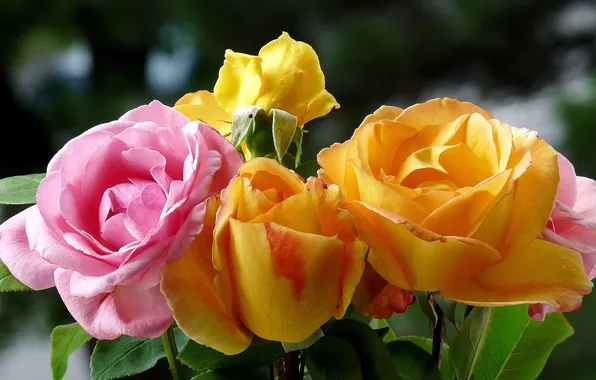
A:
[239, 81]
[373, 192]
[542, 272]
[503, 140]
[438, 111]
[463, 215]
[352, 267]
[479, 138]
[463, 165]
[421, 161]
[198, 307]
[383, 113]
[265, 173]
[433, 199]
[297, 212]
[412, 257]
[287, 282]
[452, 133]
[202, 106]
[534, 192]
[495, 225]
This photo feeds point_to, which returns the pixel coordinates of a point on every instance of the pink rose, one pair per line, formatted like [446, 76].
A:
[572, 222]
[117, 203]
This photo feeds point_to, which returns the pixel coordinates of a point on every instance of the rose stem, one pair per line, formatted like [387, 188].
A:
[291, 365]
[169, 345]
[438, 336]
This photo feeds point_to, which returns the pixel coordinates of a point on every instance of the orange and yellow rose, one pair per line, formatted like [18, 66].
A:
[286, 75]
[285, 259]
[452, 200]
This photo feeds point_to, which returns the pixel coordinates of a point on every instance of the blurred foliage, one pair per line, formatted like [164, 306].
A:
[68, 65]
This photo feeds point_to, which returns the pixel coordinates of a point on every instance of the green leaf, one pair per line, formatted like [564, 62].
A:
[242, 122]
[203, 359]
[413, 362]
[375, 358]
[382, 329]
[333, 358]
[255, 374]
[298, 136]
[467, 346]
[19, 190]
[426, 306]
[8, 282]
[447, 372]
[308, 169]
[126, 356]
[448, 306]
[518, 347]
[65, 340]
[284, 128]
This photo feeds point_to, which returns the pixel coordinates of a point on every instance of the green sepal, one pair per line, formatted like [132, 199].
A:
[284, 126]
[448, 306]
[243, 122]
[426, 306]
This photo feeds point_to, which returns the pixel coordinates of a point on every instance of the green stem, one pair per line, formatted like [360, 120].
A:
[169, 345]
[438, 336]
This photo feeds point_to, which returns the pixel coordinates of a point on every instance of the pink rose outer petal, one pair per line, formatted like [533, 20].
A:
[25, 264]
[128, 310]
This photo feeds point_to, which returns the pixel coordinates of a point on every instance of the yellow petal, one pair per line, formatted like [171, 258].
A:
[438, 111]
[504, 142]
[464, 167]
[534, 192]
[293, 81]
[352, 267]
[239, 81]
[542, 272]
[202, 106]
[286, 281]
[198, 307]
[463, 215]
[265, 173]
[495, 225]
[412, 257]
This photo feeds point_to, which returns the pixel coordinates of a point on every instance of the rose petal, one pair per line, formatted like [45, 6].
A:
[129, 310]
[24, 262]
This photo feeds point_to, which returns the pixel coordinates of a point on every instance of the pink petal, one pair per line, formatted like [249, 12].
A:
[129, 310]
[157, 113]
[144, 218]
[586, 198]
[128, 273]
[115, 233]
[59, 252]
[567, 190]
[538, 311]
[230, 158]
[23, 262]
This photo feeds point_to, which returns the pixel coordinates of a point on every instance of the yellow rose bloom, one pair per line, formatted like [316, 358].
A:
[286, 75]
[285, 260]
[452, 200]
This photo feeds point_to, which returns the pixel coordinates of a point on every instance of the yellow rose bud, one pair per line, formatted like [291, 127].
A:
[286, 75]
[452, 200]
[286, 259]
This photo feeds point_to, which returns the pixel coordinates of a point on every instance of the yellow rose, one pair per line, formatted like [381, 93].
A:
[286, 75]
[452, 200]
[285, 260]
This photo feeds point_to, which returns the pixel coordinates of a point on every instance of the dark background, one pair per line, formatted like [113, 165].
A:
[68, 65]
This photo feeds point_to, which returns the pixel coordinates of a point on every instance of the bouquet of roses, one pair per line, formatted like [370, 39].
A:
[201, 224]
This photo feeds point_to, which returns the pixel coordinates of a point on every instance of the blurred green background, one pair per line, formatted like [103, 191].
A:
[68, 65]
